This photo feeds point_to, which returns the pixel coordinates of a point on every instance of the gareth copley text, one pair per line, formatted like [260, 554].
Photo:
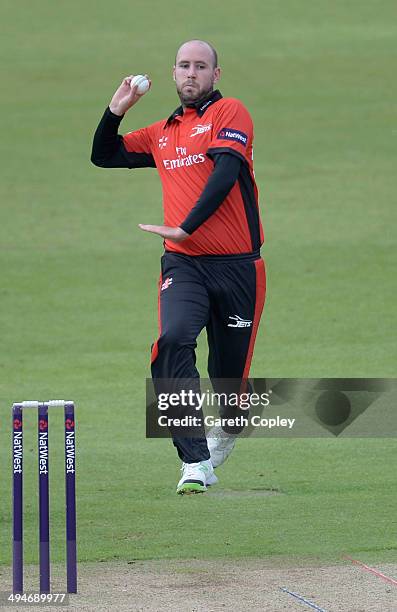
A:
[239, 421]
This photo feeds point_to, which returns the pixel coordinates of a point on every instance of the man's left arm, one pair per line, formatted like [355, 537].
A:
[221, 181]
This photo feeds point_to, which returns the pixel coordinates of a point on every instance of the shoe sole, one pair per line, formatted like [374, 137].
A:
[190, 488]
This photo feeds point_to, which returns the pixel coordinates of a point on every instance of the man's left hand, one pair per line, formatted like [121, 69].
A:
[176, 234]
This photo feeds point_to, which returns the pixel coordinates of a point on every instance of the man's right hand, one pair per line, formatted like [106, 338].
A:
[125, 96]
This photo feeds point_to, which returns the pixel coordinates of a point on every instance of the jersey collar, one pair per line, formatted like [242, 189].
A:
[200, 110]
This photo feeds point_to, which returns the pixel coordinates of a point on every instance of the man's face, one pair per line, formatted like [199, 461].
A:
[194, 72]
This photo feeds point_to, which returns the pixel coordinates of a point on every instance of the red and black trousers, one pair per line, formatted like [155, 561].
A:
[225, 295]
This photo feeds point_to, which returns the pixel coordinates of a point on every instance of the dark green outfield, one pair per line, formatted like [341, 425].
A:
[78, 279]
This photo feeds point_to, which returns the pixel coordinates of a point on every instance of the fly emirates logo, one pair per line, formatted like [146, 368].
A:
[183, 160]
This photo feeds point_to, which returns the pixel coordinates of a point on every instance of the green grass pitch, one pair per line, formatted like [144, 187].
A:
[79, 279]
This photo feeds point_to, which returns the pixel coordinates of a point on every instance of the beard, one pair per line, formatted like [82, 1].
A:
[195, 96]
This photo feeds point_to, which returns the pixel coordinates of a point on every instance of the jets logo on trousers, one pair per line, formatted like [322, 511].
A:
[239, 322]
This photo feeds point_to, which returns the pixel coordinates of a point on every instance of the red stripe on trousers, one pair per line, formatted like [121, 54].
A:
[259, 302]
[155, 349]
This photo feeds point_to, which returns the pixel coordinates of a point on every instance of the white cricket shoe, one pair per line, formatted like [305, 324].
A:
[196, 477]
[220, 444]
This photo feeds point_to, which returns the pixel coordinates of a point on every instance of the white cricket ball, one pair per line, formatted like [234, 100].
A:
[142, 82]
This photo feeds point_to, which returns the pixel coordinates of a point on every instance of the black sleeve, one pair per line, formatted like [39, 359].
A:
[224, 175]
[108, 150]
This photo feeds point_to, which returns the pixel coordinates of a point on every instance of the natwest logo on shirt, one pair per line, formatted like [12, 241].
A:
[182, 162]
[230, 134]
[200, 129]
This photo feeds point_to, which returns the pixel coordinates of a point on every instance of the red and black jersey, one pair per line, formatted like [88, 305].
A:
[183, 149]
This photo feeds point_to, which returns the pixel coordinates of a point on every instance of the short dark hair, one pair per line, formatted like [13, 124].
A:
[213, 50]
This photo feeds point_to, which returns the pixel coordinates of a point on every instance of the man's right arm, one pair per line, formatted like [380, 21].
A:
[108, 150]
